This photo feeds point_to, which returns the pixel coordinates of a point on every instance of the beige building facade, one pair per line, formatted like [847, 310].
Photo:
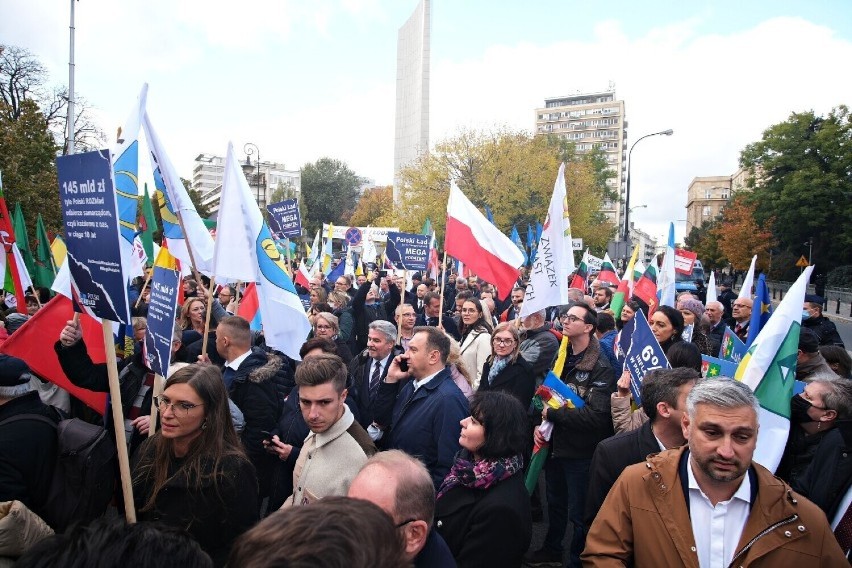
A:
[707, 196]
[592, 120]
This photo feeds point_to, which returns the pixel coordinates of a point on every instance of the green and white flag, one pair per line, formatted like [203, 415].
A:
[769, 368]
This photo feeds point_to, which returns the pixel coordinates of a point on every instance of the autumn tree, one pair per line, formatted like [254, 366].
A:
[374, 208]
[803, 187]
[329, 191]
[704, 242]
[740, 236]
[513, 173]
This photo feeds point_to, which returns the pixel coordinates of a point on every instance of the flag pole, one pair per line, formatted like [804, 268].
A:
[401, 301]
[188, 247]
[145, 285]
[207, 318]
[443, 285]
[118, 422]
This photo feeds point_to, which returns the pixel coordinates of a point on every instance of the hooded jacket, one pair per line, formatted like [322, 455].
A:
[254, 392]
[644, 521]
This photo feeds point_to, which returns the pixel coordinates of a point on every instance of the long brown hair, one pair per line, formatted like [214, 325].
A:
[480, 322]
[218, 439]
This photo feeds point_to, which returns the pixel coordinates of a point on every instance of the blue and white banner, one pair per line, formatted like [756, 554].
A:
[90, 215]
[408, 251]
[644, 355]
[162, 312]
[284, 219]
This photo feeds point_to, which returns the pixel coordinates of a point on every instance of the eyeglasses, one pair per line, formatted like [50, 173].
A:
[180, 409]
[503, 341]
[570, 318]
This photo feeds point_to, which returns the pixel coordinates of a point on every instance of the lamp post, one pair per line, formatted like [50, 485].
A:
[251, 149]
[625, 235]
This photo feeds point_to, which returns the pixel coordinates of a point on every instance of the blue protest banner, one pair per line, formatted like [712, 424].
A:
[285, 219]
[644, 355]
[90, 215]
[408, 251]
[162, 311]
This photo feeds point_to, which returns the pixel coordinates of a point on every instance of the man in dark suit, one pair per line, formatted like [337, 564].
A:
[714, 311]
[431, 309]
[664, 393]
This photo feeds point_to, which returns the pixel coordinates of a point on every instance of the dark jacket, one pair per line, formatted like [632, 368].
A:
[254, 392]
[607, 342]
[82, 372]
[490, 527]
[213, 516]
[825, 329]
[827, 478]
[424, 423]
[27, 452]
[359, 384]
[610, 458]
[447, 323]
[539, 347]
[577, 431]
[365, 314]
[516, 379]
[435, 553]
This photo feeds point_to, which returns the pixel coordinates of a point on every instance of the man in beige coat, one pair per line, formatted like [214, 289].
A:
[708, 504]
[337, 446]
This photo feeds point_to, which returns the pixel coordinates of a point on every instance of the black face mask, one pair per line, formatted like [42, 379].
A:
[799, 410]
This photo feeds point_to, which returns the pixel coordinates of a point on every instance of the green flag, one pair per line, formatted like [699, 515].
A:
[147, 226]
[22, 239]
[44, 270]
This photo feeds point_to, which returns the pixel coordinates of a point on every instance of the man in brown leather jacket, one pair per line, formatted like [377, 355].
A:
[708, 504]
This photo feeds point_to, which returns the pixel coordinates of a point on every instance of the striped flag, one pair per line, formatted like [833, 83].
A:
[769, 368]
[13, 270]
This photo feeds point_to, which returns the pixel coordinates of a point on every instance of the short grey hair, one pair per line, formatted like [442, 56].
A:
[838, 395]
[723, 392]
[385, 327]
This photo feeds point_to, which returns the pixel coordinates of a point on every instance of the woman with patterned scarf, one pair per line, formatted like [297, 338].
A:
[483, 508]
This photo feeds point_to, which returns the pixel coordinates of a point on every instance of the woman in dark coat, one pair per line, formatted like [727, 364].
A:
[506, 370]
[483, 509]
[193, 475]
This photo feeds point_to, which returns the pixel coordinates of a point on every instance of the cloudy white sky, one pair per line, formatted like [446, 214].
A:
[304, 80]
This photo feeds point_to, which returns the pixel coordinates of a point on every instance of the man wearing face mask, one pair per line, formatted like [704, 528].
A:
[809, 360]
[813, 414]
[813, 319]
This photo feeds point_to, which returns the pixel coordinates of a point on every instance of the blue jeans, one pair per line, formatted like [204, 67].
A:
[567, 482]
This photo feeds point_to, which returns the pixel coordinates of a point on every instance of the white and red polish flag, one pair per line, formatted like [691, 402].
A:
[473, 240]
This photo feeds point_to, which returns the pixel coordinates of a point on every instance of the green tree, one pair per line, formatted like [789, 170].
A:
[704, 242]
[329, 193]
[513, 173]
[802, 184]
[27, 153]
[740, 235]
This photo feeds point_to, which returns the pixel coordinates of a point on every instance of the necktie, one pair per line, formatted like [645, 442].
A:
[375, 379]
[843, 532]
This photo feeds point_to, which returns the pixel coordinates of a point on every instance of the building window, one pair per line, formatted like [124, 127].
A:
[705, 211]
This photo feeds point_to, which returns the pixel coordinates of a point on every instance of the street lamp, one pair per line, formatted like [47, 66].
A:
[626, 229]
[251, 149]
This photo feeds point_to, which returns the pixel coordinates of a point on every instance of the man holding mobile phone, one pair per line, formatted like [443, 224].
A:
[419, 406]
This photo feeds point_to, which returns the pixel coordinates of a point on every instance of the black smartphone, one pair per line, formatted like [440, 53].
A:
[383, 273]
[267, 436]
[403, 365]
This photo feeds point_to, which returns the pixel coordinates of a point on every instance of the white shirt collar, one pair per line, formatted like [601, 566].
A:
[237, 361]
[421, 382]
[743, 493]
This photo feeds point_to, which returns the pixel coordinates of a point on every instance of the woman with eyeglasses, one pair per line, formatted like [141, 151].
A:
[475, 329]
[483, 509]
[326, 326]
[193, 474]
[506, 370]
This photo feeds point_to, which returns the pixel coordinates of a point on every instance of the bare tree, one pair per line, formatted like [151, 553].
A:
[23, 77]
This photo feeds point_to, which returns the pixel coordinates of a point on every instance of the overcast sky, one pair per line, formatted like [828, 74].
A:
[307, 79]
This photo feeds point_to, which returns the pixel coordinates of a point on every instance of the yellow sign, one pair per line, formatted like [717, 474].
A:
[802, 262]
